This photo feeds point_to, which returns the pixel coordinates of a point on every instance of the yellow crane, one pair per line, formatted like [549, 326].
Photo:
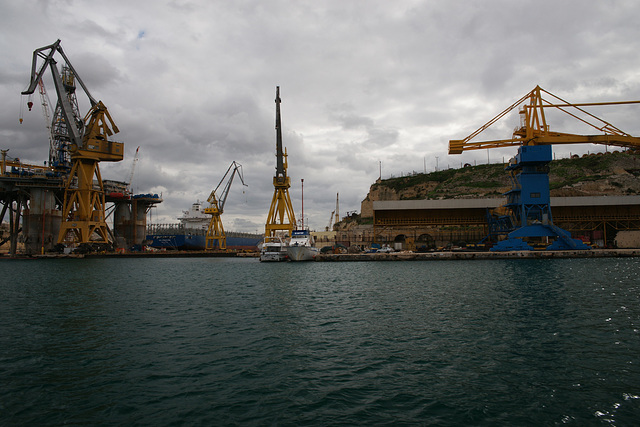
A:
[281, 216]
[534, 130]
[83, 215]
[215, 231]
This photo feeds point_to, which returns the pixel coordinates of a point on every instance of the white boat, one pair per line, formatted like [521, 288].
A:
[301, 246]
[195, 218]
[273, 248]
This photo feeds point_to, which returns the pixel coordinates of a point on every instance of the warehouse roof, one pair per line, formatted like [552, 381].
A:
[495, 202]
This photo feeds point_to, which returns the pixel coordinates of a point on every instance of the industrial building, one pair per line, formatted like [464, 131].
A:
[31, 202]
[412, 224]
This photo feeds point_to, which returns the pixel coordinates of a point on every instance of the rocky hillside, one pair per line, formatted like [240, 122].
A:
[614, 173]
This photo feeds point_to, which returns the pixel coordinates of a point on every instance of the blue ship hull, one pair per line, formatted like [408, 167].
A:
[196, 242]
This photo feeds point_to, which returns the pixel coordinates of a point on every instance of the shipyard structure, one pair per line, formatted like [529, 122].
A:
[32, 199]
[603, 221]
[525, 217]
[64, 204]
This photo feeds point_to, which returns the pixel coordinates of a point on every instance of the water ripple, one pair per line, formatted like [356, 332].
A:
[236, 342]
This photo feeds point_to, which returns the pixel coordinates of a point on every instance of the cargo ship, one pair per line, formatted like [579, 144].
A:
[189, 234]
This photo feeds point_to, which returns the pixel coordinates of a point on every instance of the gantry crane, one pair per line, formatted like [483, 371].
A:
[281, 216]
[88, 144]
[529, 199]
[215, 231]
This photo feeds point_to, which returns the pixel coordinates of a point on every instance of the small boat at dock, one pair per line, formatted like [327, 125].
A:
[273, 249]
[301, 247]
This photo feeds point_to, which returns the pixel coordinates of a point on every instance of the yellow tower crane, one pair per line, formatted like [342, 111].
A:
[215, 231]
[84, 203]
[281, 216]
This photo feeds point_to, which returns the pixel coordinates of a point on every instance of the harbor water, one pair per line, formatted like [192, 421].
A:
[229, 341]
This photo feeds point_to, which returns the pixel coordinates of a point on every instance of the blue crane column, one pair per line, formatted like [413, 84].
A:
[529, 202]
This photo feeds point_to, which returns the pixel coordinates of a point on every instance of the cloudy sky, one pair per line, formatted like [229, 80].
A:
[367, 87]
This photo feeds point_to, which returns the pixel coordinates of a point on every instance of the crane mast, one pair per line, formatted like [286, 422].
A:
[281, 216]
[281, 161]
[88, 144]
[215, 231]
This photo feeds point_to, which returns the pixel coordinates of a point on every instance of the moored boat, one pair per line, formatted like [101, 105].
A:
[301, 247]
[273, 249]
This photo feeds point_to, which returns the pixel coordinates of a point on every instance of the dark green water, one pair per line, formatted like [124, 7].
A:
[207, 341]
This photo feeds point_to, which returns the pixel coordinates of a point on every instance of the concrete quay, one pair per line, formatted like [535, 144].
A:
[464, 255]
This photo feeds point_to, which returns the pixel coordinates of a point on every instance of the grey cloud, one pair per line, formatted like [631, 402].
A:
[361, 82]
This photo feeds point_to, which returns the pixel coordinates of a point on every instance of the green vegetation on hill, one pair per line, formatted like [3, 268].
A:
[449, 183]
[493, 180]
[606, 174]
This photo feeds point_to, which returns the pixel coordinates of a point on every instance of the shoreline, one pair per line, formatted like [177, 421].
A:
[466, 255]
[362, 257]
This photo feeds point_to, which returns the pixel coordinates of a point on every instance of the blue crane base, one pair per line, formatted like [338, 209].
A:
[563, 240]
[529, 202]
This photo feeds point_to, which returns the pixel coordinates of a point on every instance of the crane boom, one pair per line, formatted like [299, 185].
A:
[534, 129]
[133, 168]
[330, 221]
[48, 60]
[234, 168]
[44, 100]
[281, 167]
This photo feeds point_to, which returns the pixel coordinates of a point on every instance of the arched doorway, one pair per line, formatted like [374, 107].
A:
[425, 242]
[399, 242]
